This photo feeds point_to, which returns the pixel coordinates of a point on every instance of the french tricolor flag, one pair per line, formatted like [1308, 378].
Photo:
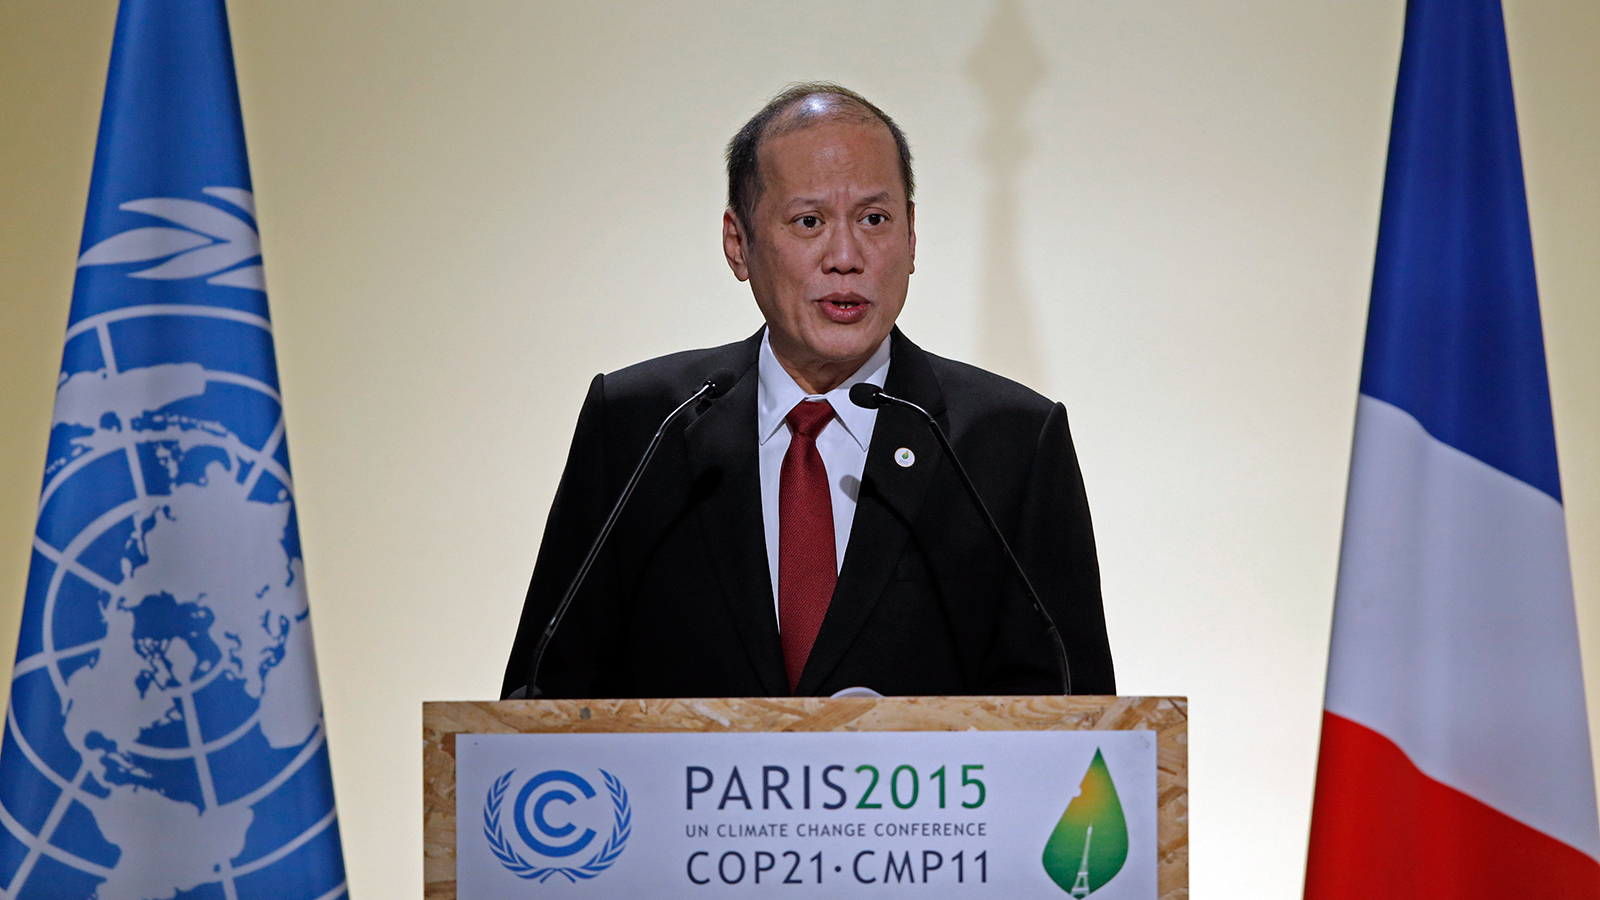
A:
[1455, 745]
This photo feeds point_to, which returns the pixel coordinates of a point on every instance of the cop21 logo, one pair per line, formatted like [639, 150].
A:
[531, 806]
[1079, 858]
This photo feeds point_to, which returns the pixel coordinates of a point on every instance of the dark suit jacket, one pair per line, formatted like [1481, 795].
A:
[680, 603]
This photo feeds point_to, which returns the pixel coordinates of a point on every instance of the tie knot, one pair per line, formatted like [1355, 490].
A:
[808, 417]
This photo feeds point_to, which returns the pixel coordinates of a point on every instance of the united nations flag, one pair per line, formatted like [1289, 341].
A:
[164, 736]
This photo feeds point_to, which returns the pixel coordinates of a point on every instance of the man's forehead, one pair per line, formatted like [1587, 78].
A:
[824, 140]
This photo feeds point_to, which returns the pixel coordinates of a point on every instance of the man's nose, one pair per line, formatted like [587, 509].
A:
[844, 254]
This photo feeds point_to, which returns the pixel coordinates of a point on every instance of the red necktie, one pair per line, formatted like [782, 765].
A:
[807, 565]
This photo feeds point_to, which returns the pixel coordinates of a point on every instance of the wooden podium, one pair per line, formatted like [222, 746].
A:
[1166, 716]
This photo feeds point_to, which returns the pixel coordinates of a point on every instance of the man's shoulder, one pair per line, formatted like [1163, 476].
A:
[994, 422]
[673, 377]
[970, 391]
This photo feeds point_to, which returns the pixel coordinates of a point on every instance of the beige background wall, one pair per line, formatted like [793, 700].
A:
[468, 208]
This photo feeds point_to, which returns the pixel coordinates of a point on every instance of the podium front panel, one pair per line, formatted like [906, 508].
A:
[1029, 796]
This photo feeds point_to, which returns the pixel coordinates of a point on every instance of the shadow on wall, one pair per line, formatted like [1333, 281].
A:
[1007, 65]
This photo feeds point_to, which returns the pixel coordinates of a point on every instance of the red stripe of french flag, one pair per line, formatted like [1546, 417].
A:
[1455, 757]
[1384, 829]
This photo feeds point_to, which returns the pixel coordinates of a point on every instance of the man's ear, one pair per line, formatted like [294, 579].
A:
[911, 231]
[735, 246]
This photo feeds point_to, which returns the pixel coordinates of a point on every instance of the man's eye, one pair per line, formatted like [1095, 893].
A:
[875, 218]
[809, 221]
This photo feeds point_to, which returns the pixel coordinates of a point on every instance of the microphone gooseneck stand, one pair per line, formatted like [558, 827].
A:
[870, 396]
[715, 386]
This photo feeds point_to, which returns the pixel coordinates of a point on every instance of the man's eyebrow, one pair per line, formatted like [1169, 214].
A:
[879, 197]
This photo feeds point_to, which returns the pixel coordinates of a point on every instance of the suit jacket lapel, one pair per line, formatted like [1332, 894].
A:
[721, 448]
[890, 499]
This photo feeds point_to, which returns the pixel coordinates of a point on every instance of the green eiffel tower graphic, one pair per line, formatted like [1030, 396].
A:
[1090, 843]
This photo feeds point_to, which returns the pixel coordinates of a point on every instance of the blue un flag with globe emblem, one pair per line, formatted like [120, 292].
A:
[164, 737]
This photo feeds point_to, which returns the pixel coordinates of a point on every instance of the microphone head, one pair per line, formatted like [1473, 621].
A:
[721, 381]
[867, 395]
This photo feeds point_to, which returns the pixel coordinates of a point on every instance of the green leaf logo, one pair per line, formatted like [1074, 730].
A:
[1090, 843]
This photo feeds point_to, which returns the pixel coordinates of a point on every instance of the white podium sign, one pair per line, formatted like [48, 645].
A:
[832, 814]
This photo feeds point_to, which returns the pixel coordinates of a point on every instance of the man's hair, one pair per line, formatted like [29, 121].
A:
[786, 113]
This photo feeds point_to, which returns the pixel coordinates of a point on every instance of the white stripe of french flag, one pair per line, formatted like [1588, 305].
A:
[1455, 756]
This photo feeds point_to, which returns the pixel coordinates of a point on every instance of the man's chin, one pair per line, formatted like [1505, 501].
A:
[853, 347]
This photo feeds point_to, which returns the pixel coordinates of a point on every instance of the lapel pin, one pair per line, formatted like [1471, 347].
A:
[904, 457]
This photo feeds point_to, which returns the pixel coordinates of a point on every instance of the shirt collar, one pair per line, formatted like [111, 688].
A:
[778, 394]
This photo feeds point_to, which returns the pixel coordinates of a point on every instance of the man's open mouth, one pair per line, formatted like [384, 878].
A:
[844, 307]
[844, 300]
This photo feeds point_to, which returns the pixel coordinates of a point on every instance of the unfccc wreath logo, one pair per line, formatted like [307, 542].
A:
[554, 840]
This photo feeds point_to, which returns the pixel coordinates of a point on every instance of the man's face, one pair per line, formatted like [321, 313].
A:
[831, 255]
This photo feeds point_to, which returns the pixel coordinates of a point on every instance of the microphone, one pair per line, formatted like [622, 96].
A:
[715, 385]
[869, 396]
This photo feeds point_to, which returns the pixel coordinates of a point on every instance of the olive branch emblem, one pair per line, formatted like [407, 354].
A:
[211, 241]
[500, 845]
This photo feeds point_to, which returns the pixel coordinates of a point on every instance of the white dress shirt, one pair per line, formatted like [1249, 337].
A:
[842, 444]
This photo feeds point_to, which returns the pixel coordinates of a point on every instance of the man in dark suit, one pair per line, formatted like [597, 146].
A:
[785, 541]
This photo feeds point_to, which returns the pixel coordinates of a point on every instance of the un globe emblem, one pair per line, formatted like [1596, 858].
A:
[540, 813]
[164, 736]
